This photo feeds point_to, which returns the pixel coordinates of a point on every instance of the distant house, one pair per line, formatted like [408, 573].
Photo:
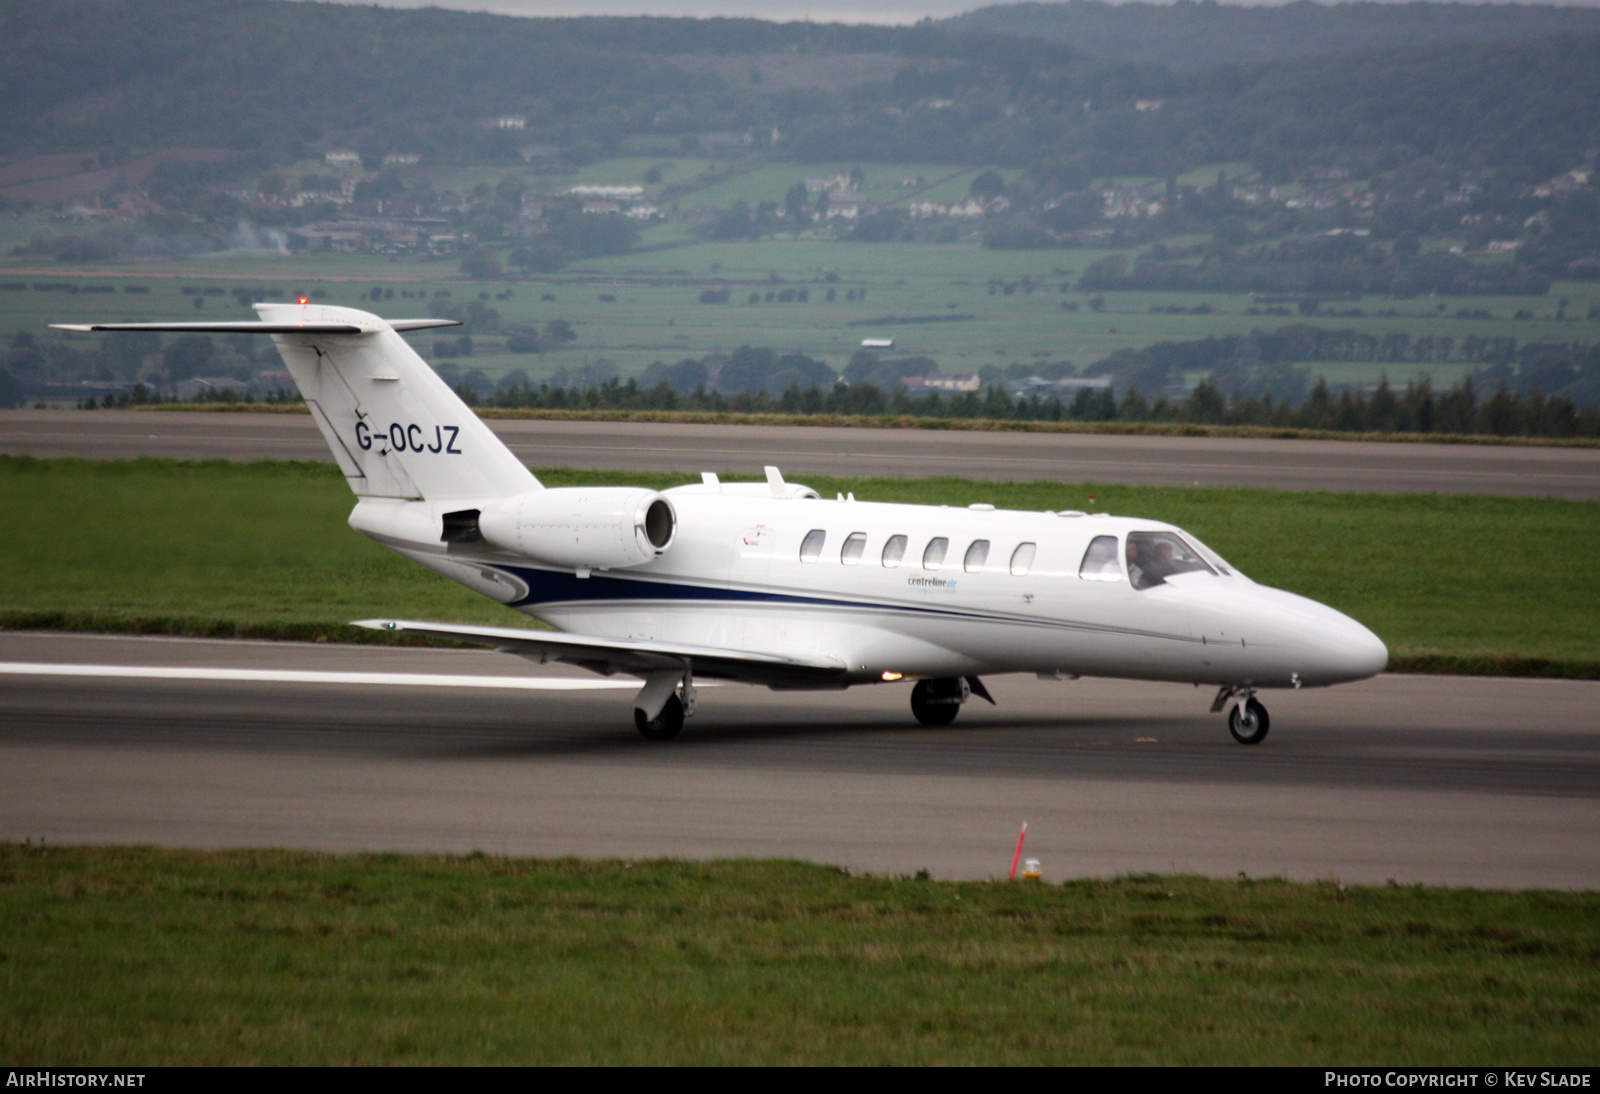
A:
[342, 157]
[505, 121]
[877, 343]
[940, 381]
[613, 193]
[396, 159]
[601, 207]
[839, 183]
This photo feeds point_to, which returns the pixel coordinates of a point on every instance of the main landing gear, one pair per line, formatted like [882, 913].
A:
[937, 702]
[664, 726]
[1247, 720]
[667, 698]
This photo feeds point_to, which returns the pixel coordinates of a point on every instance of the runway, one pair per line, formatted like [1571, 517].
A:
[1435, 780]
[1571, 473]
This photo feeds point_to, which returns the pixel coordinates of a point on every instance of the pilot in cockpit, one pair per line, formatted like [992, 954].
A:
[1136, 565]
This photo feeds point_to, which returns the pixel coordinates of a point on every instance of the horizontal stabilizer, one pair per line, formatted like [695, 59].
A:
[393, 426]
[257, 327]
[403, 325]
[607, 655]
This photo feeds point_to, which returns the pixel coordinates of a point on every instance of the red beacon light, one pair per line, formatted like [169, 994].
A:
[304, 300]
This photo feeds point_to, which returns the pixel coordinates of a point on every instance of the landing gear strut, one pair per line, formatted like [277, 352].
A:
[1247, 721]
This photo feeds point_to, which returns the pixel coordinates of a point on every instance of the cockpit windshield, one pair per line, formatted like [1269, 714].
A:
[1153, 557]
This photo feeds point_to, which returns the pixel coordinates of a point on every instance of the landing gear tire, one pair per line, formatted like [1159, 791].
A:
[664, 726]
[1248, 722]
[929, 711]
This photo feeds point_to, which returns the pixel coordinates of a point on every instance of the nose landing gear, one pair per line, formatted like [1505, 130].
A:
[1247, 721]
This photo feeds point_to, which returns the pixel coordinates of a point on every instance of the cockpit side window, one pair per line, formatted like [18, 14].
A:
[1100, 560]
[1155, 556]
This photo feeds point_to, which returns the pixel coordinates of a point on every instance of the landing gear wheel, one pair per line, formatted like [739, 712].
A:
[1248, 722]
[664, 726]
[929, 712]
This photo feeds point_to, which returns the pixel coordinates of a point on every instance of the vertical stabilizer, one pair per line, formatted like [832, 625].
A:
[395, 428]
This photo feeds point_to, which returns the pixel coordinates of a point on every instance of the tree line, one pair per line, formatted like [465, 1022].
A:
[1418, 408]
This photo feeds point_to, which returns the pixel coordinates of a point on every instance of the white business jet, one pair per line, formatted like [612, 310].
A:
[766, 582]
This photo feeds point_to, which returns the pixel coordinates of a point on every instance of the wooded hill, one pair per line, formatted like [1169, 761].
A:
[290, 79]
[1189, 35]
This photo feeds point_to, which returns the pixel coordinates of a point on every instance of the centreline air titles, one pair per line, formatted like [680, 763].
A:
[767, 583]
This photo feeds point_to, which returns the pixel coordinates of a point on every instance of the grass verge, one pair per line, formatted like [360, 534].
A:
[262, 550]
[149, 956]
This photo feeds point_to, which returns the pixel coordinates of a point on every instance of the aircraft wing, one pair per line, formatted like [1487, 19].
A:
[259, 327]
[608, 656]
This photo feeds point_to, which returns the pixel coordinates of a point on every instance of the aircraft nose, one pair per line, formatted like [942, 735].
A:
[1352, 652]
[1321, 645]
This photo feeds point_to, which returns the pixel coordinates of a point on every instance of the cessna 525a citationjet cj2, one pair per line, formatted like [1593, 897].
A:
[767, 583]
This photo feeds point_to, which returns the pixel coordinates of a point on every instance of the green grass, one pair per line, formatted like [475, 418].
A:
[263, 549]
[205, 548]
[146, 957]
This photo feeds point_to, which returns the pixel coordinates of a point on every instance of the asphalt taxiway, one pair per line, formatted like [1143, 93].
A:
[1435, 780]
[1514, 470]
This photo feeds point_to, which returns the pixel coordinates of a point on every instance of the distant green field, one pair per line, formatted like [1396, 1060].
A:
[144, 956]
[655, 314]
[263, 549]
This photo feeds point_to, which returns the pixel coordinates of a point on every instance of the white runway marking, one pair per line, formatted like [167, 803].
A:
[284, 676]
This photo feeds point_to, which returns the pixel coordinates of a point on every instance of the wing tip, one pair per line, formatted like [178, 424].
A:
[378, 624]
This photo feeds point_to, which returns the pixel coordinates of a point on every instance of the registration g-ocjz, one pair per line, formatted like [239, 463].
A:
[405, 437]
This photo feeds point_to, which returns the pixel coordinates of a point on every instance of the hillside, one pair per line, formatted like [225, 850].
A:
[1188, 35]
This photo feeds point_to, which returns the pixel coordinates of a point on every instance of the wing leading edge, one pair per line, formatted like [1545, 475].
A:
[610, 656]
[259, 327]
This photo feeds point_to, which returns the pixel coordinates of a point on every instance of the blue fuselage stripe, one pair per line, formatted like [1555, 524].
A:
[554, 587]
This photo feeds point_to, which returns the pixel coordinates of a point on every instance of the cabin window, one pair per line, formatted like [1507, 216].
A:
[977, 555]
[850, 553]
[811, 546]
[1022, 559]
[1155, 556]
[933, 553]
[894, 551]
[1100, 560]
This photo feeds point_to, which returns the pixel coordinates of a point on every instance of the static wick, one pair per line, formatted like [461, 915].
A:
[1016, 858]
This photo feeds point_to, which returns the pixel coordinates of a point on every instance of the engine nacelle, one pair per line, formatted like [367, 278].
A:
[586, 528]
